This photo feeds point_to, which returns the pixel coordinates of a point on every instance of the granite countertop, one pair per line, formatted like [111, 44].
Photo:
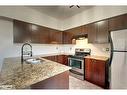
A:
[103, 58]
[12, 73]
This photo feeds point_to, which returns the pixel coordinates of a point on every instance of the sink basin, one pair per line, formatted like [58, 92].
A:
[33, 61]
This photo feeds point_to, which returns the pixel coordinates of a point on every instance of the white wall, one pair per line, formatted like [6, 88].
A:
[29, 15]
[9, 49]
[93, 14]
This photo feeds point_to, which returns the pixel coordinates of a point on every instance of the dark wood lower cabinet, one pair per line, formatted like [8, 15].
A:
[60, 81]
[88, 70]
[63, 59]
[99, 72]
[96, 72]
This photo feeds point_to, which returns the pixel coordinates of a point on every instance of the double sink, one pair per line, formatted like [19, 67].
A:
[34, 61]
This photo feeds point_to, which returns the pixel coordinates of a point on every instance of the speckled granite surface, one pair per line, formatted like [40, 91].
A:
[19, 78]
[103, 58]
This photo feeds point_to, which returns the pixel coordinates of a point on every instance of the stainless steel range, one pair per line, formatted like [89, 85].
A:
[77, 62]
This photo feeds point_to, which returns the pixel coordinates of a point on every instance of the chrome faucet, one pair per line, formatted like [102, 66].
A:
[23, 53]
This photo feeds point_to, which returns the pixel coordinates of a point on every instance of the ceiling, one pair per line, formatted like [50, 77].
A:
[60, 12]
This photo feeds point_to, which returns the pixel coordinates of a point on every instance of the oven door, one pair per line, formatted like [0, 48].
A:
[77, 64]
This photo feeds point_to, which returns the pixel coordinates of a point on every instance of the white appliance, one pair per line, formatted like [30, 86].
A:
[118, 60]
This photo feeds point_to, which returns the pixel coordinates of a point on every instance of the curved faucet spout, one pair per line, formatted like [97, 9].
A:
[26, 52]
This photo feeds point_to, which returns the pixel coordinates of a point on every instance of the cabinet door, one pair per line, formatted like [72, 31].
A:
[55, 58]
[47, 57]
[118, 22]
[35, 31]
[22, 32]
[63, 59]
[98, 72]
[88, 69]
[125, 21]
[60, 59]
[55, 36]
[68, 38]
[102, 31]
[98, 32]
[71, 33]
[40, 34]
[92, 32]
[44, 35]
[85, 30]
[77, 31]
[26, 32]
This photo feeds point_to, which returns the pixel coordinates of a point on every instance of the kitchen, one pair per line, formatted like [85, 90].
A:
[56, 39]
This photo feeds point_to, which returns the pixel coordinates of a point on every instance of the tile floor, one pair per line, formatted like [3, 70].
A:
[75, 83]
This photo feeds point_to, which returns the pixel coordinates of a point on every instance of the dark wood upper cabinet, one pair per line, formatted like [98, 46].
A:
[118, 22]
[68, 37]
[40, 34]
[69, 34]
[102, 31]
[45, 35]
[21, 32]
[98, 32]
[27, 32]
[77, 31]
[35, 31]
[56, 36]
[92, 33]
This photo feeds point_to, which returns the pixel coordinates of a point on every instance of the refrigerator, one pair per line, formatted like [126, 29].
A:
[118, 59]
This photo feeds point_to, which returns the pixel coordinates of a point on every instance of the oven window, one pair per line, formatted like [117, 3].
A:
[76, 63]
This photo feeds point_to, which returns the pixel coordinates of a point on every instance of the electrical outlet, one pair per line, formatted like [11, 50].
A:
[105, 49]
[57, 48]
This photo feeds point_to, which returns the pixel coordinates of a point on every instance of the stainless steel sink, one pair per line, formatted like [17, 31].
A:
[33, 61]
